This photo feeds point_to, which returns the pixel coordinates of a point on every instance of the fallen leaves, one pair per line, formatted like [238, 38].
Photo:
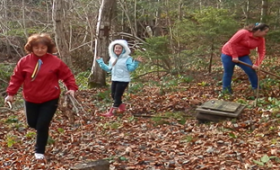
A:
[130, 142]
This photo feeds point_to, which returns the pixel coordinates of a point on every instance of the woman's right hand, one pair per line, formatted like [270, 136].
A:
[9, 99]
[236, 60]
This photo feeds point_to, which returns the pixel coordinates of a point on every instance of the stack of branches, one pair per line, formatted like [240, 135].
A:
[70, 108]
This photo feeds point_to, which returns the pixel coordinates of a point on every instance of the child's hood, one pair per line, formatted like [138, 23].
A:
[126, 51]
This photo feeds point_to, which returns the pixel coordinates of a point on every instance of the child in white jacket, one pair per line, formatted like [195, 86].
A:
[120, 66]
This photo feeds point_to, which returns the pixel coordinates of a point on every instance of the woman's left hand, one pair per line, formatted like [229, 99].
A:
[71, 92]
[255, 67]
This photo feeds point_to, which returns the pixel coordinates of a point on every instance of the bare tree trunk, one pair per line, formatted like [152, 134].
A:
[264, 10]
[200, 6]
[59, 18]
[220, 4]
[23, 18]
[97, 76]
[126, 13]
[4, 26]
[248, 4]
[277, 19]
[135, 17]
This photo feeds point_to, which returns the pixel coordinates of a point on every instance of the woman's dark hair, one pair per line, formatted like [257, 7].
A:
[37, 39]
[256, 27]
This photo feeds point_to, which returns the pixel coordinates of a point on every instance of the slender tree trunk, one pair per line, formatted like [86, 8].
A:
[126, 13]
[157, 16]
[277, 19]
[248, 4]
[211, 58]
[220, 4]
[135, 17]
[23, 18]
[60, 25]
[97, 76]
[264, 10]
[4, 19]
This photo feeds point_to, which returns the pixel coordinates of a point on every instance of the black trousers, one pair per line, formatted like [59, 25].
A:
[117, 90]
[39, 117]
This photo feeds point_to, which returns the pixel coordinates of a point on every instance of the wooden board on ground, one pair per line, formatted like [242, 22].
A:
[220, 105]
[216, 110]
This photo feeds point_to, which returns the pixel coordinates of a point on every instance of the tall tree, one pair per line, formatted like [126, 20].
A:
[97, 76]
[264, 10]
[59, 23]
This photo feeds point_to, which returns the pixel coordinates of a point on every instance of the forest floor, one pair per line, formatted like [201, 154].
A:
[158, 131]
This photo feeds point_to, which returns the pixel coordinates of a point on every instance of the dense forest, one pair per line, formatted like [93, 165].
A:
[180, 41]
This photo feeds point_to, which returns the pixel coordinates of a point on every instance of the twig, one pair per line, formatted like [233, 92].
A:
[8, 63]
[155, 116]
[6, 109]
[4, 81]
[258, 89]
[74, 102]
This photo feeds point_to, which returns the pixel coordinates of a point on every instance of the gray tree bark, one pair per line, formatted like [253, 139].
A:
[59, 22]
[264, 10]
[97, 76]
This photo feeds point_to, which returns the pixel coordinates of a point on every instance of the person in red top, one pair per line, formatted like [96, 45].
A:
[238, 48]
[39, 72]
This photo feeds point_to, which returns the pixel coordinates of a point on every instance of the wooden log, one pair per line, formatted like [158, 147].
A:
[93, 165]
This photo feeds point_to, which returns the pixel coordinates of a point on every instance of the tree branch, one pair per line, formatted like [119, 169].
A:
[5, 109]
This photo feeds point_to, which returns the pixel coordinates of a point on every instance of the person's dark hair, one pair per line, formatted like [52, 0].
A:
[256, 27]
[37, 39]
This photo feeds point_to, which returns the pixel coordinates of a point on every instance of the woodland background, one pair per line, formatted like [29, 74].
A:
[180, 41]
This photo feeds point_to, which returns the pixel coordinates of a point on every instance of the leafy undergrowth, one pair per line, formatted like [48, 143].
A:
[157, 132]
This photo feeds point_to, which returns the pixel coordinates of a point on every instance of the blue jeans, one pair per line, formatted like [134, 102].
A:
[229, 65]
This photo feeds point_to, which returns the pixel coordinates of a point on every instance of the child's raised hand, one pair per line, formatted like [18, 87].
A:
[139, 58]
[98, 57]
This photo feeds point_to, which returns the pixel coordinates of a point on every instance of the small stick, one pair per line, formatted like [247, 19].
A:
[74, 102]
[258, 89]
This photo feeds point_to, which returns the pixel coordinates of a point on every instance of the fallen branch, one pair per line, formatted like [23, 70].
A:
[71, 106]
[8, 63]
[74, 102]
[5, 109]
[155, 116]
[3, 81]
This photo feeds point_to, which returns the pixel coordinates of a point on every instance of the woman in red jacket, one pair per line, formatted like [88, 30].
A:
[39, 72]
[238, 48]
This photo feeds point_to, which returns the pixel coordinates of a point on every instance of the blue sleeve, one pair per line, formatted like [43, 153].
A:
[103, 65]
[131, 64]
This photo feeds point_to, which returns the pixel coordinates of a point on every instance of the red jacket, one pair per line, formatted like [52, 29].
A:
[45, 87]
[242, 42]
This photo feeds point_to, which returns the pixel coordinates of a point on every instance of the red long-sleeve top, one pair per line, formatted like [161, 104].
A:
[242, 42]
[45, 86]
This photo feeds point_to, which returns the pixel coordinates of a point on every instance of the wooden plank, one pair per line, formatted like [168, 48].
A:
[221, 105]
[213, 118]
[221, 113]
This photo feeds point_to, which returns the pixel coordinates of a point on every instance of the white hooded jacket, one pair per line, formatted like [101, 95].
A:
[124, 65]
